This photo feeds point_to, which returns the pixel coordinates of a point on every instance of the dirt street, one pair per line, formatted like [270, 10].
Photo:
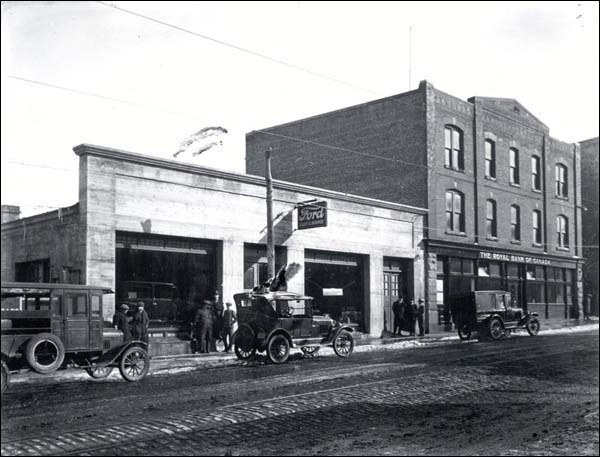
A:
[521, 395]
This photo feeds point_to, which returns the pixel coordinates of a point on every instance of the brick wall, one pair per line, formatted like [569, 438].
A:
[590, 190]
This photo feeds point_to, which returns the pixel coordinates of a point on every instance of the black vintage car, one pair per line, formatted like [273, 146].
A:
[50, 326]
[490, 313]
[277, 321]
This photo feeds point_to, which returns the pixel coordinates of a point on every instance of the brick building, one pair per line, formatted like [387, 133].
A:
[146, 227]
[504, 197]
[590, 191]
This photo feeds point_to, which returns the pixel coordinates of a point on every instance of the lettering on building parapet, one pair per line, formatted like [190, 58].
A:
[513, 258]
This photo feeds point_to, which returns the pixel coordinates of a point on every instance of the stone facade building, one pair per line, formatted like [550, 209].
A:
[175, 233]
[504, 197]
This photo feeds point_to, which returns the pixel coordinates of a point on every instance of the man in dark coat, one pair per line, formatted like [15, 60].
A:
[217, 315]
[411, 316]
[398, 311]
[203, 324]
[420, 317]
[229, 318]
[140, 323]
[121, 321]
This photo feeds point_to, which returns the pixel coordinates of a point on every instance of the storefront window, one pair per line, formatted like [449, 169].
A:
[512, 270]
[455, 266]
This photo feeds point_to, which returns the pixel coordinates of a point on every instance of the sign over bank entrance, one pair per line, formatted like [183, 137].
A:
[312, 215]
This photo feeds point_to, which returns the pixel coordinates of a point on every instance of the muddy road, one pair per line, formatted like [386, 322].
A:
[521, 395]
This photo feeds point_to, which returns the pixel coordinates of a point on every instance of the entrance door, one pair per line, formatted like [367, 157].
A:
[391, 293]
[77, 325]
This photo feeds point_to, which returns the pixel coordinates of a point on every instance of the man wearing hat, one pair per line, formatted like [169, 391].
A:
[229, 318]
[140, 323]
[420, 316]
[120, 321]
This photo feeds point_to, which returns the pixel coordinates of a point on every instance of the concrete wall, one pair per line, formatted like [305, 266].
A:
[121, 191]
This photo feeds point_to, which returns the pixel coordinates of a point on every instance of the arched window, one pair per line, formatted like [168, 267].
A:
[562, 231]
[491, 229]
[453, 146]
[455, 211]
[514, 165]
[537, 227]
[562, 181]
[536, 173]
[490, 159]
[515, 223]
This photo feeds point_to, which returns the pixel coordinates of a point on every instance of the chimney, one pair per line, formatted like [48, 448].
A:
[10, 213]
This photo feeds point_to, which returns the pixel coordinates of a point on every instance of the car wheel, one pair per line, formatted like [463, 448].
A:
[278, 349]
[242, 354]
[496, 328]
[99, 372]
[464, 332]
[134, 364]
[45, 353]
[5, 377]
[533, 326]
[343, 344]
[310, 350]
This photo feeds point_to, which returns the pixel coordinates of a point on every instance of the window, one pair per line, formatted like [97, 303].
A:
[562, 229]
[561, 181]
[490, 159]
[490, 216]
[77, 305]
[453, 146]
[515, 223]
[514, 165]
[536, 181]
[537, 227]
[455, 214]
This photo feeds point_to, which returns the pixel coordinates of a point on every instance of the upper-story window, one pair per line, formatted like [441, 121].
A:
[490, 159]
[562, 231]
[514, 165]
[491, 229]
[453, 145]
[562, 183]
[537, 227]
[455, 211]
[536, 173]
[515, 223]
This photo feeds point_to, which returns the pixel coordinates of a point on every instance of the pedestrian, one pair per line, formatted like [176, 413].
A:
[217, 315]
[587, 305]
[398, 311]
[421, 316]
[121, 321]
[140, 323]
[203, 326]
[229, 318]
[411, 316]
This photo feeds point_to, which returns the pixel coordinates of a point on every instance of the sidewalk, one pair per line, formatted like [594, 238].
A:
[165, 365]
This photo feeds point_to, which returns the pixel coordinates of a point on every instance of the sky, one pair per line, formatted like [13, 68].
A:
[144, 76]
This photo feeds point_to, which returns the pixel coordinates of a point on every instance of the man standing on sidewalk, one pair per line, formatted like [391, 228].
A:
[229, 318]
[420, 316]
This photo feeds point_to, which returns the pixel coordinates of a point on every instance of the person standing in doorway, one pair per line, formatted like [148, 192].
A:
[217, 315]
[411, 315]
[398, 312]
[421, 316]
[203, 326]
[229, 319]
[121, 321]
[140, 323]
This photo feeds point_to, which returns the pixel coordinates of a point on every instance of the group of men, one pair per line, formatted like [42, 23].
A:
[134, 325]
[406, 315]
[212, 323]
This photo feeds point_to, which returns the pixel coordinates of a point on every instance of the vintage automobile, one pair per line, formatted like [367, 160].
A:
[277, 321]
[50, 326]
[159, 298]
[490, 313]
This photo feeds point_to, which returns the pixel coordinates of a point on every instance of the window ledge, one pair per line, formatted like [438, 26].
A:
[537, 191]
[515, 184]
[515, 242]
[458, 170]
[490, 178]
[463, 234]
[536, 245]
[564, 249]
[561, 197]
[491, 238]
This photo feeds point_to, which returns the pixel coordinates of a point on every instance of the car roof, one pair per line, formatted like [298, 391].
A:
[15, 286]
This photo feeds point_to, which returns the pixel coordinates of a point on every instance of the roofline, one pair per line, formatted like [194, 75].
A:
[50, 285]
[118, 154]
[513, 100]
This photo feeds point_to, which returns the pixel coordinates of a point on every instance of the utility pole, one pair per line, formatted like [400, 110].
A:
[270, 243]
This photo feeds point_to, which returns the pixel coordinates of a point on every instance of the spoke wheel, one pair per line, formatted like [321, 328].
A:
[278, 349]
[45, 353]
[343, 345]
[310, 350]
[134, 364]
[242, 354]
[99, 372]
[496, 329]
[533, 327]
[464, 332]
